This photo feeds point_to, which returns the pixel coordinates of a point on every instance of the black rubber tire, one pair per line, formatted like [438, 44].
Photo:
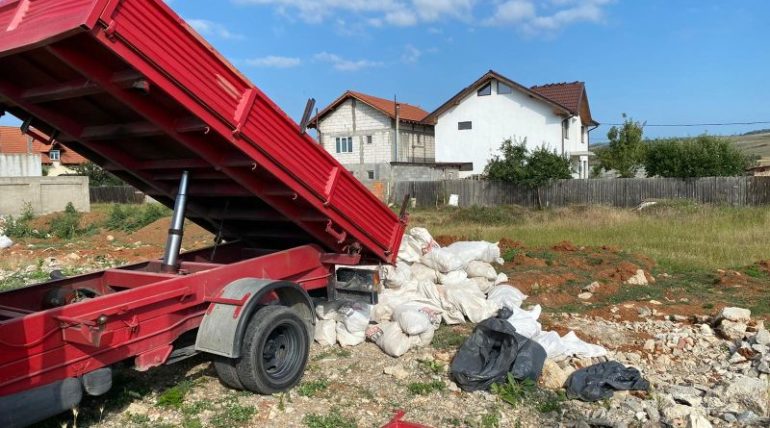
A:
[275, 350]
[227, 373]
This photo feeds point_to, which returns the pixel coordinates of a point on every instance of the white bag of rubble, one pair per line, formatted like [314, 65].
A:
[471, 301]
[483, 284]
[5, 242]
[481, 251]
[409, 251]
[355, 316]
[396, 276]
[576, 347]
[525, 322]
[347, 338]
[391, 339]
[420, 272]
[388, 300]
[454, 277]
[505, 295]
[442, 260]
[424, 239]
[436, 295]
[477, 269]
[501, 278]
[416, 318]
[551, 342]
[427, 337]
[326, 332]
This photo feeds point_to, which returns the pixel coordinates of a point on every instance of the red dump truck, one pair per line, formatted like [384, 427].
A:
[130, 86]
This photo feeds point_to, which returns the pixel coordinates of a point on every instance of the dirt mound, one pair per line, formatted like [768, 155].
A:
[445, 240]
[509, 244]
[620, 272]
[156, 233]
[565, 246]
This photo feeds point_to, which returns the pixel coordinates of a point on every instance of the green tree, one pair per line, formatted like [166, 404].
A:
[625, 152]
[97, 176]
[703, 156]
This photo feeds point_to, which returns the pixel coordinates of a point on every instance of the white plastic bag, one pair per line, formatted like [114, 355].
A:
[525, 322]
[576, 347]
[355, 316]
[442, 260]
[477, 269]
[391, 339]
[421, 272]
[328, 310]
[5, 242]
[427, 337]
[424, 240]
[409, 251]
[415, 318]
[347, 338]
[454, 277]
[501, 278]
[551, 342]
[326, 332]
[396, 276]
[505, 295]
[482, 251]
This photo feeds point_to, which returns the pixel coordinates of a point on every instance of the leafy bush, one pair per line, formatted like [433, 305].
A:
[425, 388]
[625, 151]
[130, 218]
[19, 227]
[703, 156]
[518, 165]
[66, 225]
[97, 176]
[333, 420]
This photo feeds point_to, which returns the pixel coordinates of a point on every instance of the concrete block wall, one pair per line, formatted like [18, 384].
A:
[45, 194]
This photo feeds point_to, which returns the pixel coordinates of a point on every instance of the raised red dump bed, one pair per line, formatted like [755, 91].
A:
[132, 87]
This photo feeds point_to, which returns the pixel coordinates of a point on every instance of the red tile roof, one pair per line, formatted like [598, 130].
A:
[567, 94]
[407, 112]
[13, 141]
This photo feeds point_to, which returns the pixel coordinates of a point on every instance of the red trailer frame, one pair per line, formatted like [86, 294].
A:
[130, 86]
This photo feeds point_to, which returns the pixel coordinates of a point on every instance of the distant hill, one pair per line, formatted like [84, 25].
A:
[755, 144]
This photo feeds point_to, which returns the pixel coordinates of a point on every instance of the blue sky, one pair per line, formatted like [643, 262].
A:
[660, 61]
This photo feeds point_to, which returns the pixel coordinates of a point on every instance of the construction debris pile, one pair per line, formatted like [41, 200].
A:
[431, 284]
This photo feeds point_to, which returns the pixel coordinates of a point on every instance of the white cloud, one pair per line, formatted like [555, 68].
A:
[343, 64]
[394, 12]
[529, 16]
[411, 54]
[547, 17]
[272, 61]
[214, 29]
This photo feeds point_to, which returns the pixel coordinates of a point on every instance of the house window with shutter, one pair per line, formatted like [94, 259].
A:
[54, 155]
[565, 128]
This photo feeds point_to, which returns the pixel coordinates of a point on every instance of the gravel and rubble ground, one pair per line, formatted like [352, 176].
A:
[707, 361]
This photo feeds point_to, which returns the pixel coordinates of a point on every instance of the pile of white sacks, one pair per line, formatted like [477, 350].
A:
[431, 284]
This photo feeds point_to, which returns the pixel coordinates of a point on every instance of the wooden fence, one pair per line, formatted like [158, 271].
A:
[737, 191]
[116, 195]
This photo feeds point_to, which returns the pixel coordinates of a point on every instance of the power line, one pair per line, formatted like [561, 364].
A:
[695, 124]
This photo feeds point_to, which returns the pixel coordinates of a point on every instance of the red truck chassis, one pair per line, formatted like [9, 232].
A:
[127, 84]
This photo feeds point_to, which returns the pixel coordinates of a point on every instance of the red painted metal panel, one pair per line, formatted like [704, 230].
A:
[186, 78]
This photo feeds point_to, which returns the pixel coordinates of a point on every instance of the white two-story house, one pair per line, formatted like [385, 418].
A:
[471, 126]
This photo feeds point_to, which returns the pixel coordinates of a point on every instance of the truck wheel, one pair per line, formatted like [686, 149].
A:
[227, 373]
[275, 350]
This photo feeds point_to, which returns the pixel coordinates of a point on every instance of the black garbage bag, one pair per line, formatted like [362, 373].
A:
[599, 381]
[493, 350]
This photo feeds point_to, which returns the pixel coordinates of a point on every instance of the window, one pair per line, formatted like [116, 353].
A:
[462, 126]
[565, 128]
[344, 144]
[502, 88]
[55, 155]
[485, 90]
[370, 174]
[368, 139]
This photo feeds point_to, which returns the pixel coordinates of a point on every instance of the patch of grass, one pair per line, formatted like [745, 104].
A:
[755, 271]
[66, 225]
[510, 254]
[333, 352]
[174, 396]
[431, 366]
[449, 337]
[548, 256]
[130, 218]
[232, 414]
[331, 420]
[425, 388]
[18, 228]
[526, 392]
[311, 388]
[490, 420]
